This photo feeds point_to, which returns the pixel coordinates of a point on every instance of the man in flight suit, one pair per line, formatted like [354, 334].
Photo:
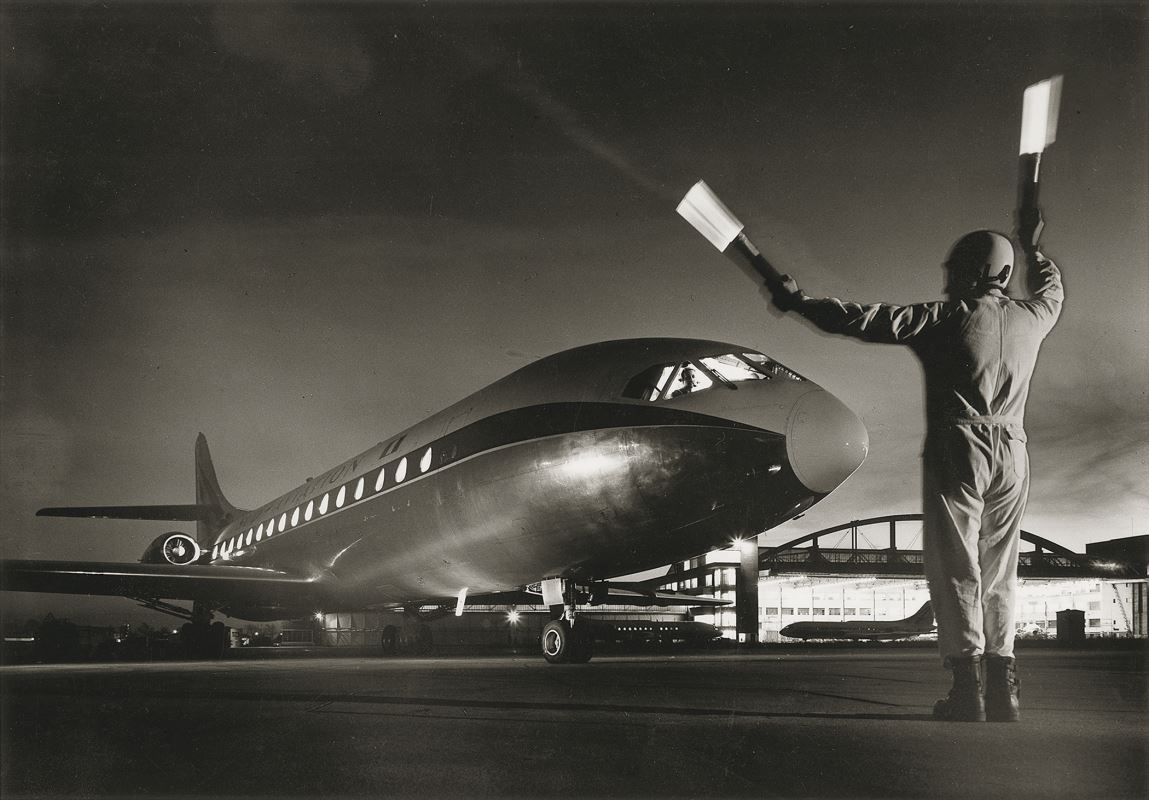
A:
[978, 350]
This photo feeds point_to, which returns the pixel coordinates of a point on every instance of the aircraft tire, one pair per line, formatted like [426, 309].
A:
[583, 649]
[423, 640]
[390, 640]
[217, 640]
[202, 641]
[557, 641]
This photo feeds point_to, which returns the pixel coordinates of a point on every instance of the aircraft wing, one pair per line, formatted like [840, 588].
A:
[631, 594]
[192, 582]
[639, 594]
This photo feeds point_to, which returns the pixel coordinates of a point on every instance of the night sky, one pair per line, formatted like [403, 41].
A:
[300, 229]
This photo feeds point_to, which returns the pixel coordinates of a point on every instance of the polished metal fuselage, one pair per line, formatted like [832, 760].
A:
[549, 472]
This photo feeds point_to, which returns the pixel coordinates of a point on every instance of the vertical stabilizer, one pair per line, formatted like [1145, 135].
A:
[209, 496]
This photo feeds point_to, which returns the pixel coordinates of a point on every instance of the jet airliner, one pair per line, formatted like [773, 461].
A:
[596, 462]
[922, 621]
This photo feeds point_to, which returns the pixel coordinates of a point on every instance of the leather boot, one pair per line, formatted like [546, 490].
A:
[965, 702]
[1002, 689]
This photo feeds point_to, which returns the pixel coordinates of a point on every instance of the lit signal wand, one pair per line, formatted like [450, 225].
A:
[710, 217]
[1039, 113]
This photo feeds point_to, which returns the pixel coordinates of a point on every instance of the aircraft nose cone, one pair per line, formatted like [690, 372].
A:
[825, 441]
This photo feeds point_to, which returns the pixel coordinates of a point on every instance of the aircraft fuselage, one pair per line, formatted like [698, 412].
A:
[565, 468]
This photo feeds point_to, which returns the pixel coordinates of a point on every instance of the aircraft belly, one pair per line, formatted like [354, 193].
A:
[592, 503]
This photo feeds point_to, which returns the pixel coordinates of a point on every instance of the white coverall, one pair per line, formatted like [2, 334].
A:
[978, 354]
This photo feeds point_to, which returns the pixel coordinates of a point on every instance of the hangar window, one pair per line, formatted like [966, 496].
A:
[771, 611]
[787, 611]
[849, 612]
[819, 612]
[803, 612]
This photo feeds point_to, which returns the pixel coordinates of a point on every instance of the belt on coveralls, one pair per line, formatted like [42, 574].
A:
[986, 419]
[1014, 428]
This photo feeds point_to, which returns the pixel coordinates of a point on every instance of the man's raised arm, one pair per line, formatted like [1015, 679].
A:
[876, 322]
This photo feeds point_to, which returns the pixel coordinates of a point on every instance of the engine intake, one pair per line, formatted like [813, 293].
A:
[172, 548]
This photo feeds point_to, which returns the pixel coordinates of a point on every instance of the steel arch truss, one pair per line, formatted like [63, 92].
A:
[805, 554]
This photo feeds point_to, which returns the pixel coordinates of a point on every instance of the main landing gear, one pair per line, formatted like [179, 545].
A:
[201, 638]
[565, 639]
[564, 643]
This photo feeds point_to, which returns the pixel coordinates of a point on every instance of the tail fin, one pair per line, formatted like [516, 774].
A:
[208, 496]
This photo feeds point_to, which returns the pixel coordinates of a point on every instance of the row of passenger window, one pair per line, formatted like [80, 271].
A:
[330, 501]
[664, 381]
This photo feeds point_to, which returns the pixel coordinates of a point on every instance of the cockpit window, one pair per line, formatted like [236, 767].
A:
[666, 381]
[687, 378]
[771, 367]
[731, 368]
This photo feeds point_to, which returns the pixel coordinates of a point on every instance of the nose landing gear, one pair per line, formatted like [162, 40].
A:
[565, 639]
[564, 643]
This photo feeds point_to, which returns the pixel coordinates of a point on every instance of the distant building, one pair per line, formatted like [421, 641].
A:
[843, 584]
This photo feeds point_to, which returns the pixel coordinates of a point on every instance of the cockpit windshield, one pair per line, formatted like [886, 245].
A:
[666, 381]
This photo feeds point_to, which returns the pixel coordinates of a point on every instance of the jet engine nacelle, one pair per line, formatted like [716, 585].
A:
[172, 548]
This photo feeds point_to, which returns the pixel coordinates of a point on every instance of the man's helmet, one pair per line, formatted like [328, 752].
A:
[978, 262]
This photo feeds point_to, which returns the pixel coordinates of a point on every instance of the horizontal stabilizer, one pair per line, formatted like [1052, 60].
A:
[185, 513]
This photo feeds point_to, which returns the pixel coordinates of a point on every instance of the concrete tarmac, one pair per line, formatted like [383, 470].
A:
[809, 723]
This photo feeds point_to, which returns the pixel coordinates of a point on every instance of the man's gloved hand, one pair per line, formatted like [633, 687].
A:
[786, 293]
[1030, 224]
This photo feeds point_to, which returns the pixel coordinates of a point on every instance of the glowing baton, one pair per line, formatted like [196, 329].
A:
[710, 217]
[1039, 113]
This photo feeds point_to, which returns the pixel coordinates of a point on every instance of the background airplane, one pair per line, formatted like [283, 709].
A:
[600, 461]
[921, 622]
